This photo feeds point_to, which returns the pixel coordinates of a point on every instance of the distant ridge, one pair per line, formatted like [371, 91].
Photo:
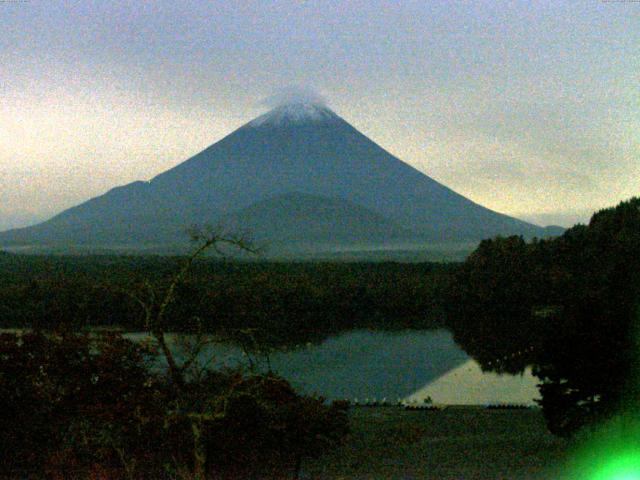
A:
[333, 220]
[299, 174]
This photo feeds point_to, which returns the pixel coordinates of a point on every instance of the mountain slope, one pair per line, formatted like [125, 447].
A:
[334, 220]
[295, 149]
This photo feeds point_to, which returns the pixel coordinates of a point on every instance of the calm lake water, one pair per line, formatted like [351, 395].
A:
[358, 364]
[377, 365]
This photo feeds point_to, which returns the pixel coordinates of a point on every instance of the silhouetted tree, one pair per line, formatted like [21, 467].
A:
[259, 417]
[567, 306]
[490, 304]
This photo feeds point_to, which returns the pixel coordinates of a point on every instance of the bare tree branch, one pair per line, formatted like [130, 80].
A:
[157, 302]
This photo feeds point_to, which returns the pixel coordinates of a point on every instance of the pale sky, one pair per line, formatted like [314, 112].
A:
[529, 108]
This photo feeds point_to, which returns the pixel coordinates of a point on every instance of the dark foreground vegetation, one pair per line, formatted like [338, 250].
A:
[80, 406]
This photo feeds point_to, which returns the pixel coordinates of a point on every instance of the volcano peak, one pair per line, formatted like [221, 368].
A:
[295, 113]
[299, 177]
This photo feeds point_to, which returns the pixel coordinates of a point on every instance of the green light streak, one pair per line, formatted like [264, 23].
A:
[611, 450]
[610, 453]
[624, 466]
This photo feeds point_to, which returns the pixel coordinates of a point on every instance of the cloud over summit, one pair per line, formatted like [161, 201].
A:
[294, 94]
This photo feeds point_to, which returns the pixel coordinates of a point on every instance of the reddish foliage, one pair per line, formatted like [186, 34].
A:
[85, 406]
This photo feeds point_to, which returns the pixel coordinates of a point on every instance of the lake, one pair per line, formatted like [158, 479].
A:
[393, 365]
[366, 365]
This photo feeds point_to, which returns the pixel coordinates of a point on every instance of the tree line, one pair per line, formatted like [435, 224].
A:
[282, 303]
[567, 306]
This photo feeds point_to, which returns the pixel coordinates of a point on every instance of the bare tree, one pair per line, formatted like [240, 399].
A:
[155, 300]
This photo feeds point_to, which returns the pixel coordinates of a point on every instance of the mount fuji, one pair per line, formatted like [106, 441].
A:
[299, 178]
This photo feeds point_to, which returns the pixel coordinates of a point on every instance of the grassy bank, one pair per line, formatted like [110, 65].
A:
[456, 443]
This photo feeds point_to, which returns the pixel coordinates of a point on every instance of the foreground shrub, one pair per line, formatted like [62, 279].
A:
[80, 406]
[264, 428]
[69, 401]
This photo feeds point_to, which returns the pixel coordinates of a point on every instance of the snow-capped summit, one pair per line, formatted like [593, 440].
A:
[299, 177]
[295, 113]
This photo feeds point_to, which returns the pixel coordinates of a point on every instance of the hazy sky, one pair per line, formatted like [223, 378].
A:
[529, 108]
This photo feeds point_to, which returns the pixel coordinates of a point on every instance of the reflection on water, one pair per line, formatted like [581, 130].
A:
[358, 364]
[371, 365]
[469, 385]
